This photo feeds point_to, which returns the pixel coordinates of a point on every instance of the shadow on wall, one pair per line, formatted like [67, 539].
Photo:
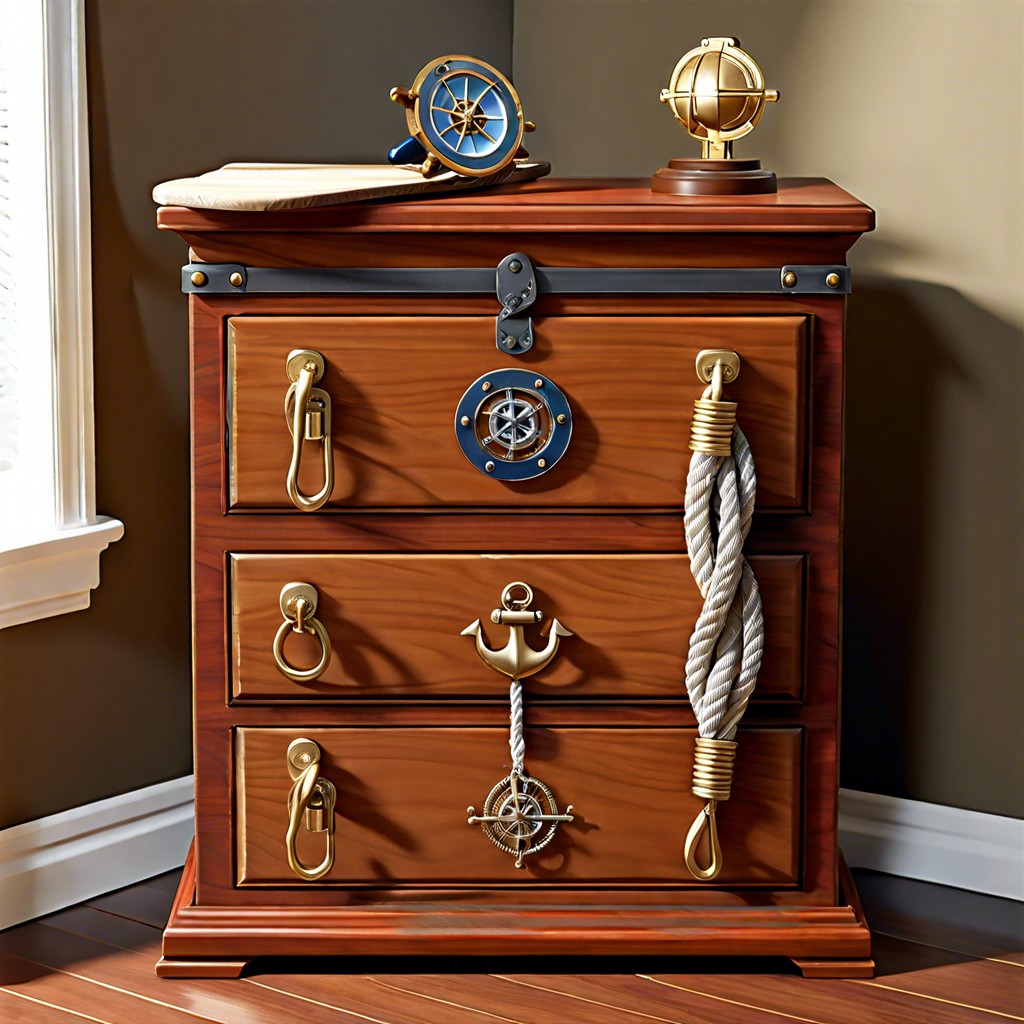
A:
[933, 555]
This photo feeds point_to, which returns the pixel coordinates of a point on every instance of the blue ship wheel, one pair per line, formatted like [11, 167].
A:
[463, 112]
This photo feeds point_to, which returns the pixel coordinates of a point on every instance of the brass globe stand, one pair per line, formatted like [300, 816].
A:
[717, 93]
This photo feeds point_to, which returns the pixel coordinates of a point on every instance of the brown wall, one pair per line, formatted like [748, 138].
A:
[933, 651]
[177, 87]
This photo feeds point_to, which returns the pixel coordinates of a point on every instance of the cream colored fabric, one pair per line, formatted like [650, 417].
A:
[264, 187]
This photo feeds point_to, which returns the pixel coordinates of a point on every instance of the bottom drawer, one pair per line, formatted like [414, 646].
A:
[402, 795]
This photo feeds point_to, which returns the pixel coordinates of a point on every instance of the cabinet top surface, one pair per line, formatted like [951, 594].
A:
[589, 204]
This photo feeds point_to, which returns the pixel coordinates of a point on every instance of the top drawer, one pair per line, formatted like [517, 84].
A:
[395, 382]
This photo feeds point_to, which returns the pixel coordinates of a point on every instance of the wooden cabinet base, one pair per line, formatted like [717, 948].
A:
[219, 942]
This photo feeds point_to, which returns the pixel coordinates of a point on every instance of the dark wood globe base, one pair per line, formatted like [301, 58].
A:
[686, 176]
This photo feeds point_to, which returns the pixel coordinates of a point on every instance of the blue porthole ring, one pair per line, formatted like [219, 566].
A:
[513, 424]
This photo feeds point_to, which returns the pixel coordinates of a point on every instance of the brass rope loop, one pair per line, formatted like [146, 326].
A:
[712, 779]
[314, 799]
[711, 426]
[300, 401]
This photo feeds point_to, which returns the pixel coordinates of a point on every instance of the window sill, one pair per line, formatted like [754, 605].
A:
[54, 575]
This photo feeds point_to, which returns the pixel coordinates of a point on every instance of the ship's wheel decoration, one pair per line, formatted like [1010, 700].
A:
[463, 114]
[513, 424]
[519, 815]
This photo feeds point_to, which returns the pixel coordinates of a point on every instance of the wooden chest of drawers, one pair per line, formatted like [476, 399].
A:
[414, 542]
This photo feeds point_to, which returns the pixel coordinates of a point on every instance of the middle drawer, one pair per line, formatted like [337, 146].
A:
[394, 625]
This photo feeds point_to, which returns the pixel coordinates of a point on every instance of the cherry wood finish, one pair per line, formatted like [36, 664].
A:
[394, 622]
[395, 382]
[220, 923]
[402, 807]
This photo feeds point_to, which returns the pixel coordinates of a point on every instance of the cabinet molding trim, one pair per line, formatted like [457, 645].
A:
[934, 843]
[63, 859]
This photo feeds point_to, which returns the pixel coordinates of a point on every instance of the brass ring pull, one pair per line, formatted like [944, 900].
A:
[298, 605]
[307, 411]
[311, 801]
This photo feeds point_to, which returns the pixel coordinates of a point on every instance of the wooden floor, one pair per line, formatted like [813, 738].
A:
[943, 955]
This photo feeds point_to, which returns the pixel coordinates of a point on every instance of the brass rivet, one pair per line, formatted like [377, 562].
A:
[538, 383]
[833, 280]
[542, 463]
[486, 386]
[560, 418]
[789, 279]
[489, 466]
[465, 421]
[198, 278]
[235, 280]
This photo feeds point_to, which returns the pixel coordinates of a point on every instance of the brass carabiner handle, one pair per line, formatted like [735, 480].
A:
[307, 411]
[705, 820]
[298, 606]
[311, 801]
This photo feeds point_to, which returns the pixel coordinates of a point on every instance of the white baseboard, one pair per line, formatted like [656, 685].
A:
[66, 858]
[966, 849]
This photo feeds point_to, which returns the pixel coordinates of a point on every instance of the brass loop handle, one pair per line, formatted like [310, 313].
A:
[705, 820]
[298, 605]
[313, 799]
[307, 412]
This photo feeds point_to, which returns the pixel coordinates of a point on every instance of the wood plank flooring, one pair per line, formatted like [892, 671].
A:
[943, 956]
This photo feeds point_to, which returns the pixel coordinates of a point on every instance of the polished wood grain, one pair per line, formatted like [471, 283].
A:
[395, 621]
[403, 794]
[395, 383]
[812, 919]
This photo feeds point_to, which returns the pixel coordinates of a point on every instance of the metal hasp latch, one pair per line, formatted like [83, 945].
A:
[516, 285]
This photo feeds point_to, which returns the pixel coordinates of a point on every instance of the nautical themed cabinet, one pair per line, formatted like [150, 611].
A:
[441, 593]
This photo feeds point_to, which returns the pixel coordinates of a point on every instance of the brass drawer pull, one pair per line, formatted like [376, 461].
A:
[307, 411]
[298, 606]
[311, 802]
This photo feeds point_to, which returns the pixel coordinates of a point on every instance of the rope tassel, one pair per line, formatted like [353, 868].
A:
[728, 639]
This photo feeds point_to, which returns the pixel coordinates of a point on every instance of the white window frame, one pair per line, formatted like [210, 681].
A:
[50, 536]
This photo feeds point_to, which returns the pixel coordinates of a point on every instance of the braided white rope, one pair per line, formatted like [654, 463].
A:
[516, 740]
[728, 639]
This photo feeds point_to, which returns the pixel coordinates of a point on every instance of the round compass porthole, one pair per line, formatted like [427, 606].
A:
[513, 424]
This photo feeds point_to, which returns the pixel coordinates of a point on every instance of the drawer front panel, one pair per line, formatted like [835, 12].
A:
[394, 623]
[402, 796]
[395, 383]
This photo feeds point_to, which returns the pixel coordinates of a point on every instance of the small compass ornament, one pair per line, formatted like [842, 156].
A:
[520, 814]
[463, 114]
[717, 93]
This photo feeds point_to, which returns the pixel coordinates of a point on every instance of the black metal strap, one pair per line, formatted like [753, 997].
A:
[216, 278]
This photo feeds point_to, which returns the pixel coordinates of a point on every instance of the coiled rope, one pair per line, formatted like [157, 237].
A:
[728, 639]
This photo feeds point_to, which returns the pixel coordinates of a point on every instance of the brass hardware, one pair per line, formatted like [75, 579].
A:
[515, 266]
[235, 280]
[708, 358]
[198, 278]
[722, 92]
[542, 463]
[307, 412]
[712, 779]
[538, 383]
[298, 606]
[833, 280]
[713, 419]
[465, 421]
[489, 466]
[486, 386]
[517, 659]
[311, 803]
[515, 814]
[529, 126]
[560, 418]
[789, 279]
[403, 97]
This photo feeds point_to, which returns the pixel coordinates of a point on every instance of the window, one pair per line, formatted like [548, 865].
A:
[50, 535]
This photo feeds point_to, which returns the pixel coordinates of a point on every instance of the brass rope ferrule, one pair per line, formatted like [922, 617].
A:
[713, 762]
[713, 419]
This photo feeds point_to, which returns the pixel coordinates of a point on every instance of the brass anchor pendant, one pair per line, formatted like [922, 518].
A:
[517, 659]
[520, 815]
